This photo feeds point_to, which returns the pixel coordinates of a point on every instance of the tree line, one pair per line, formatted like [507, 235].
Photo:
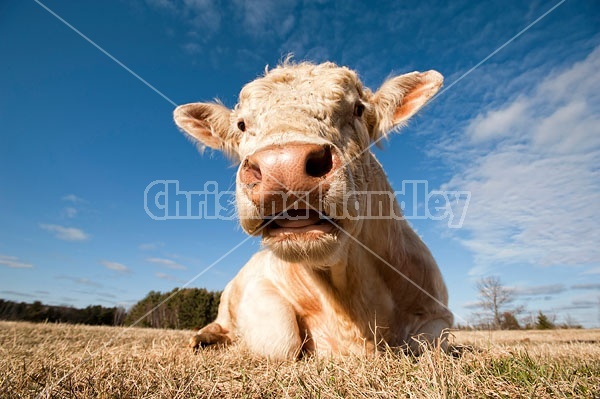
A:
[496, 310]
[186, 308]
[179, 309]
[190, 308]
[38, 312]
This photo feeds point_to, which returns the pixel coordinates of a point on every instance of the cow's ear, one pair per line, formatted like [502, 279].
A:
[209, 124]
[400, 98]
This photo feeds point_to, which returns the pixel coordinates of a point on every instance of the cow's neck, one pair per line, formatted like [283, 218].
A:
[382, 236]
[379, 239]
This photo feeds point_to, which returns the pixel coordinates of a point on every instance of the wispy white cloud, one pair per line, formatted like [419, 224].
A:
[168, 277]
[192, 48]
[16, 293]
[118, 267]
[202, 20]
[80, 280]
[70, 212]
[169, 263]
[151, 246]
[593, 270]
[163, 4]
[585, 304]
[261, 25]
[498, 124]
[586, 286]
[577, 304]
[202, 15]
[531, 166]
[550, 289]
[73, 198]
[13, 262]
[266, 17]
[472, 305]
[66, 233]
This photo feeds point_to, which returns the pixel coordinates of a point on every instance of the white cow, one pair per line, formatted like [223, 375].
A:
[331, 278]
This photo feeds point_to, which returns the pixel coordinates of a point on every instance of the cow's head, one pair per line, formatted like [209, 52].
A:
[301, 135]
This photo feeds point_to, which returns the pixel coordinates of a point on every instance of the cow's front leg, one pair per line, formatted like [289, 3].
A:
[211, 334]
[267, 323]
[220, 332]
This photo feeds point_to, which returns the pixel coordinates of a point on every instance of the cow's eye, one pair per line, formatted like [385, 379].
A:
[242, 126]
[359, 109]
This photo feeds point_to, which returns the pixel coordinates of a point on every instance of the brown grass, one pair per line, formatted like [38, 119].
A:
[45, 360]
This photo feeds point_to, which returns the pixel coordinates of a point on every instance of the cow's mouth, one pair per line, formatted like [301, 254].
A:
[303, 235]
[296, 223]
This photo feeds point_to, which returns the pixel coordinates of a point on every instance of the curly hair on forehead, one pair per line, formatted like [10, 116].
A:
[326, 80]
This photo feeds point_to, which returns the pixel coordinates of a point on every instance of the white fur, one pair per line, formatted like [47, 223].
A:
[350, 293]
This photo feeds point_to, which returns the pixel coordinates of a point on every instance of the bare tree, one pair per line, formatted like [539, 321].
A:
[494, 299]
[570, 322]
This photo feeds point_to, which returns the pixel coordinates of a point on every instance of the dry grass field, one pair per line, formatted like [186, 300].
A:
[65, 361]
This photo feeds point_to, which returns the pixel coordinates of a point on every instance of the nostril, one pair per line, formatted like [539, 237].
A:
[251, 174]
[320, 162]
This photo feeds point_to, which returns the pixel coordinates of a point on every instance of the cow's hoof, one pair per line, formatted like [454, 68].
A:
[211, 335]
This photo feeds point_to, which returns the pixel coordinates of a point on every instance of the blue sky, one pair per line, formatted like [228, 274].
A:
[81, 138]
